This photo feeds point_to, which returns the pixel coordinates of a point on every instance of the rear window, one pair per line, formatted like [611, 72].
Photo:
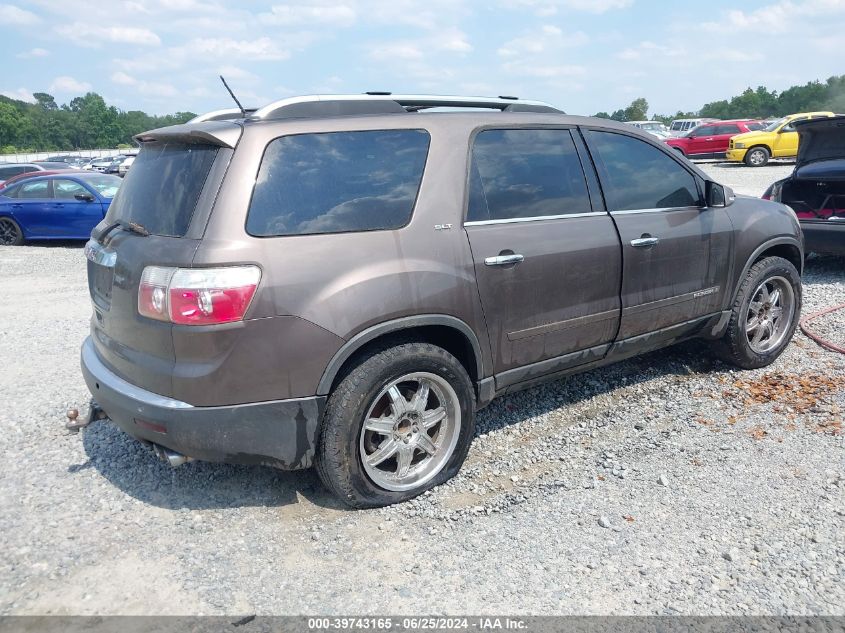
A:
[337, 182]
[161, 190]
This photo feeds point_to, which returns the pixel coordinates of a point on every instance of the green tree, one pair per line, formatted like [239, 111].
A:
[637, 111]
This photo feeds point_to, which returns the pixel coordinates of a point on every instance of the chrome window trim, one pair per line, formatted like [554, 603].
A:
[658, 210]
[535, 218]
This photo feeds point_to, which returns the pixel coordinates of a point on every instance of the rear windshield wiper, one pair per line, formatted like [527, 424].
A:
[132, 227]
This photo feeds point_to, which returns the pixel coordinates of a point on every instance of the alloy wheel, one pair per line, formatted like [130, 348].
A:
[8, 232]
[770, 314]
[410, 431]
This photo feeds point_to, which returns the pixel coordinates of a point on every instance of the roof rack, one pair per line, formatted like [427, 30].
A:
[385, 103]
[222, 115]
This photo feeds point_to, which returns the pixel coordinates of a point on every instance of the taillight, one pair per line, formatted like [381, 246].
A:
[197, 296]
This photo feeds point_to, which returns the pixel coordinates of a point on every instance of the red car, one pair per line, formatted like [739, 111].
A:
[33, 174]
[711, 139]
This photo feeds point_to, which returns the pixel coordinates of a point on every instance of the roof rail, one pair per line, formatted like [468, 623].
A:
[384, 103]
[222, 115]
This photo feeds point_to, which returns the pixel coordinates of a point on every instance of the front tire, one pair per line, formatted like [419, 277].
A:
[757, 157]
[764, 315]
[398, 424]
[10, 233]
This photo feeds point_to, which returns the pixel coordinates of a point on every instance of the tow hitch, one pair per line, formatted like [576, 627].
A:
[74, 423]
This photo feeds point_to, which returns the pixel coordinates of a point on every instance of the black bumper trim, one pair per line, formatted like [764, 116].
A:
[279, 433]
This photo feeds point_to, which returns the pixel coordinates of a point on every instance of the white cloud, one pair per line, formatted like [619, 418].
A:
[65, 84]
[544, 71]
[546, 8]
[35, 52]
[326, 15]
[446, 40]
[12, 15]
[123, 79]
[260, 49]
[147, 88]
[548, 38]
[232, 72]
[93, 36]
[21, 94]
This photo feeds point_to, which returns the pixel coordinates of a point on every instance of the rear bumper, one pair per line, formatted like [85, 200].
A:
[824, 237]
[280, 433]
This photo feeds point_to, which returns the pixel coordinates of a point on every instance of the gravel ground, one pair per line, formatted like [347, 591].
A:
[665, 484]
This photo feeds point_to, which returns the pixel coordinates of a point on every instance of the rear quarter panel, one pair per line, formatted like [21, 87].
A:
[337, 285]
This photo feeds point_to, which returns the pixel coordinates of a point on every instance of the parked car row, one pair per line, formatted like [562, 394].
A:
[710, 140]
[107, 164]
[749, 141]
[60, 205]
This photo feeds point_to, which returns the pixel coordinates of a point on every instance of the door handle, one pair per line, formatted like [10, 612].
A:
[503, 260]
[646, 241]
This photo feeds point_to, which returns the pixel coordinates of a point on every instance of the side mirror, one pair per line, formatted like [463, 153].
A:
[84, 197]
[717, 195]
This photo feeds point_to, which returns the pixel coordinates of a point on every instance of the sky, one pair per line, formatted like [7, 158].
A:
[582, 56]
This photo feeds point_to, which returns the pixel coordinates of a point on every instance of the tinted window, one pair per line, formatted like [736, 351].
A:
[755, 126]
[636, 175]
[34, 190]
[727, 129]
[67, 189]
[162, 189]
[526, 174]
[337, 182]
[8, 172]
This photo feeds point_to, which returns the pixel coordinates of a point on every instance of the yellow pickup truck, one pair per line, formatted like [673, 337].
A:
[778, 140]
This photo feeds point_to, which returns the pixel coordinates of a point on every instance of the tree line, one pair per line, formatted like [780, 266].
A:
[756, 104]
[83, 123]
[87, 122]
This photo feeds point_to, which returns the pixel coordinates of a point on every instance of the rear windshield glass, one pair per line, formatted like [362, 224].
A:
[337, 182]
[162, 188]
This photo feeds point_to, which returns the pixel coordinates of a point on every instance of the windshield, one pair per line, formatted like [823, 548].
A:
[161, 190]
[105, 185]
[771, 127]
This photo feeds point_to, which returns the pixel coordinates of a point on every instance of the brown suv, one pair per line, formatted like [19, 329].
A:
[344, 281]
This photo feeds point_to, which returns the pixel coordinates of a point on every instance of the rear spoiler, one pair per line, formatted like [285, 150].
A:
[220, 133]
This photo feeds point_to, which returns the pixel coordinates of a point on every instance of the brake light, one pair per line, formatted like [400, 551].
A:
[197, 296]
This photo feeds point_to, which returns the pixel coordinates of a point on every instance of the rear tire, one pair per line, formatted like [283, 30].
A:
[762, 324]
[757, 156]
[398, 424]
[10, 233]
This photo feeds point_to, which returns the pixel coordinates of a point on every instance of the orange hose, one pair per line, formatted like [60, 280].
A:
[818, 339]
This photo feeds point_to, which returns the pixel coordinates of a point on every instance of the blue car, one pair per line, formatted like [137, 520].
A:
[57, 207]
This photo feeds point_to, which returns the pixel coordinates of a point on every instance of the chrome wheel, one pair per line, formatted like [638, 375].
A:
[757, 157]
[410, 431]
[8, 232]
[770, 314]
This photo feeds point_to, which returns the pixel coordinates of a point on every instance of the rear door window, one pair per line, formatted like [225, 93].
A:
[727, 129]
[636, 175]
[525, 174]
[337, 182]
[37, 190]
[161, 191]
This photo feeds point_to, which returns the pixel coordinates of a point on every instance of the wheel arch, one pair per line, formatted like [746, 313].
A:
[449, 332]
[787, 247]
